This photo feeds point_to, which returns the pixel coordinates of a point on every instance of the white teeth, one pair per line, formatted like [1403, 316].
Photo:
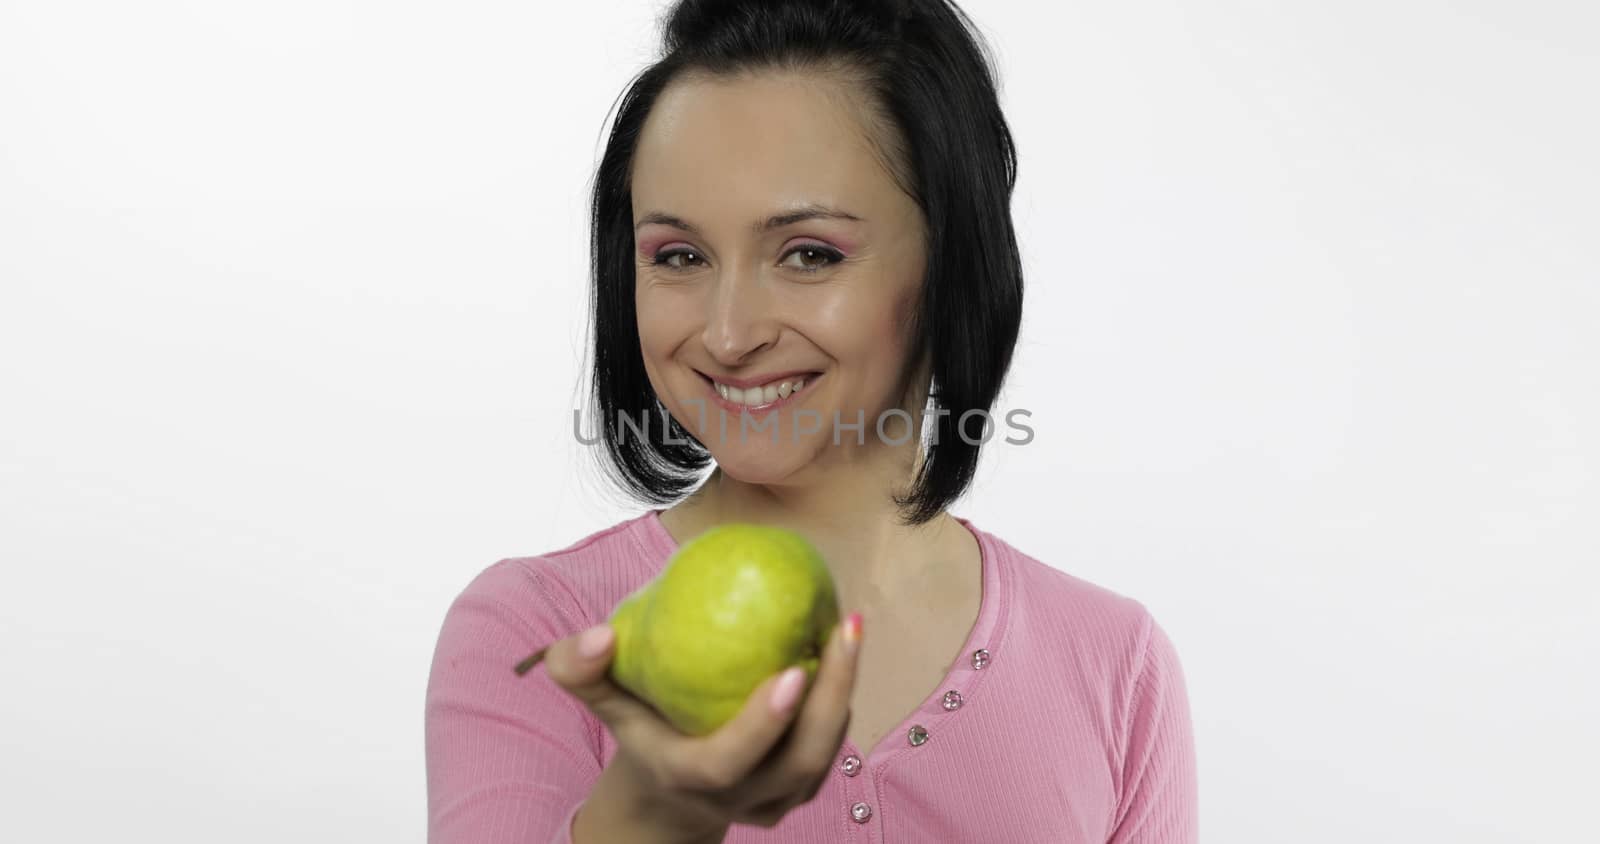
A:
[756, 396]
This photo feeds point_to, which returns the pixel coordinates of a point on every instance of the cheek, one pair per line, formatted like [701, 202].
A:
[866, 334]
[665, 319]
[902, 316]
[892, 316]
[846, 322]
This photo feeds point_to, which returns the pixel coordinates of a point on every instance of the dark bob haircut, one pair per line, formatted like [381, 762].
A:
[924, 71]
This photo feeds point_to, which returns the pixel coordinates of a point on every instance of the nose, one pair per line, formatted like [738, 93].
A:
[740, 321]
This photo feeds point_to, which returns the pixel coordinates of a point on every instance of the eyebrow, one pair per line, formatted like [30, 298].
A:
[776, 221]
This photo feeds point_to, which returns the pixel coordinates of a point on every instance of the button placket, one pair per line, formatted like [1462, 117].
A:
[952, 699]
[918, 735]
[858, 790]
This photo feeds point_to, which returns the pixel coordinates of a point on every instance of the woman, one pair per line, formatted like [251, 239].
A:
[802, 222]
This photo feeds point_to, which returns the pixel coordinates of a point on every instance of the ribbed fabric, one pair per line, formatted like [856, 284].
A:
[1076, 730]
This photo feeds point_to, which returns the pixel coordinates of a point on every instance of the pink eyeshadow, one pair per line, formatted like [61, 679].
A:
[649, 246]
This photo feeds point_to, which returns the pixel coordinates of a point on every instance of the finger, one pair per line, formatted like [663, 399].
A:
[827, 710]
[820, 725]
[724, 758]
[770, 812]
[766, 817]
[580, 663]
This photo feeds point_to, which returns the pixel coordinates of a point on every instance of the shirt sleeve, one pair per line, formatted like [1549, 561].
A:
[509, 758]
[1158, 801]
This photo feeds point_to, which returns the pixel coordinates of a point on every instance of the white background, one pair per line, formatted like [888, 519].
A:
[292, 317]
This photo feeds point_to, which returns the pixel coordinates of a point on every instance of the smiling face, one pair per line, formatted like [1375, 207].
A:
[778, 265]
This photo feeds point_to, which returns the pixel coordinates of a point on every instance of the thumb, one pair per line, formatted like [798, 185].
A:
[581, 664]
[577, 662]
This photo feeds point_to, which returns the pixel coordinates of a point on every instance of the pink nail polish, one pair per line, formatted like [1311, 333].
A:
[594, 641]
[787, 690]
[852, 631]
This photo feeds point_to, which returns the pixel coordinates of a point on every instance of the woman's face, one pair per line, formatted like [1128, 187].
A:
[773, 251]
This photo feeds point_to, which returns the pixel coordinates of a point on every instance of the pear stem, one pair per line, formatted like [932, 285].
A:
[533, 659]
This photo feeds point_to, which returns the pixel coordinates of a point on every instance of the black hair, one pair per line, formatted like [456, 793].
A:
[924, 69]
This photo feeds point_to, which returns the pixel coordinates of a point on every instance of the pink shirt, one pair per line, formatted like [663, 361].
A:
[1076, 727]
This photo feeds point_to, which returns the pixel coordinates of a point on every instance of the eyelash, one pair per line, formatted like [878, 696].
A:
[833, 257]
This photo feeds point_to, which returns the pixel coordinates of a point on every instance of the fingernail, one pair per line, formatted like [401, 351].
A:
[852, 632]
[594, 641]
[787, 690]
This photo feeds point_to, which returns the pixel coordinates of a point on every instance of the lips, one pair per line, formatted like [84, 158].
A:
[767, 394]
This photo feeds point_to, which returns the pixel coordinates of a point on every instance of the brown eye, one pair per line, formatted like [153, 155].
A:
[665, 258]
[813, 258]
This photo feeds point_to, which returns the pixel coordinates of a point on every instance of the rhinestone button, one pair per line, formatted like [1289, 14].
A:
[860, 812]
[980, 658]
[952, 700]
[851, 766]
[918, 736]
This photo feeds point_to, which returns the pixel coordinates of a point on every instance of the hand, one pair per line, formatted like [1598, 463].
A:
[773, 756]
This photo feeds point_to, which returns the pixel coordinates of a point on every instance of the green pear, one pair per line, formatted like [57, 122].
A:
[735, 605]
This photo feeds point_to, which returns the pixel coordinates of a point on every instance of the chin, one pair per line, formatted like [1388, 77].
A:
[758, 465]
